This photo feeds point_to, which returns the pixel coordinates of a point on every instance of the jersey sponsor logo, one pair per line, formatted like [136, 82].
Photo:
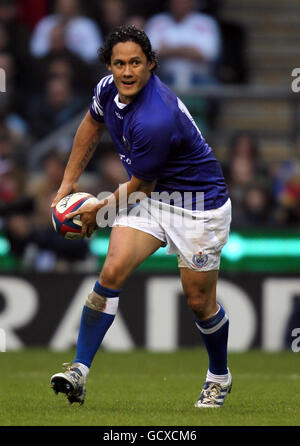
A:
[118, 115]
[200, 259]
[123, 158]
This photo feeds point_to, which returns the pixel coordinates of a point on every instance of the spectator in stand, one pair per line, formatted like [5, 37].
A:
[258, 207]
[12, 102]
[211, 7]
[31, 12]
[82, 35]
[243, 170]
[109, 14]
[15, 207]
[289, 200]
[244, 149]
[12, 185]
[136, 20]
[18, 34]
[188, 44]
[10, 179]
[56, 107]
[4, 38]
[42, 187]
[60, 62]
[110, 170]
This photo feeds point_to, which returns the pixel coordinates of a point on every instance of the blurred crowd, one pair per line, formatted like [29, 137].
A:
[48, 51]
[263, 195]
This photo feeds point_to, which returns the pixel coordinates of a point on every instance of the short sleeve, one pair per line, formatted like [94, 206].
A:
[150, 149]
[96, 107]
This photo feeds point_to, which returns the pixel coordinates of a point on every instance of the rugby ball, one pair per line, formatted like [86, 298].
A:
[70, 228]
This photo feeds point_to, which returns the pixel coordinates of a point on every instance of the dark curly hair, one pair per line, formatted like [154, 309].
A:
[126, 34]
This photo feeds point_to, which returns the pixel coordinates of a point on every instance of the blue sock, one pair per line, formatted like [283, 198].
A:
[94, 325]
[214, 333]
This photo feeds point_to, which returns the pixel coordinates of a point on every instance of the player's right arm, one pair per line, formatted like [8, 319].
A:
[85, 142]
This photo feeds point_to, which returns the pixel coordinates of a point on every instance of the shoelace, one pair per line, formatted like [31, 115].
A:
[213, 390]
[68, 367]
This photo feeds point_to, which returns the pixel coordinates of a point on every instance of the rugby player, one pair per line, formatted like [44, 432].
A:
[163, 151]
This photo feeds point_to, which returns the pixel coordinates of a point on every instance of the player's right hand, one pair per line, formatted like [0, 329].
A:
[88, 212]
[64, 190]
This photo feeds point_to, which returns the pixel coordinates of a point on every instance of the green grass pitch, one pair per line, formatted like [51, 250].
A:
[140, 388]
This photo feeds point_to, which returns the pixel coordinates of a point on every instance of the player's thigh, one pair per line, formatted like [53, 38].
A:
[199, 288]
[128, 248]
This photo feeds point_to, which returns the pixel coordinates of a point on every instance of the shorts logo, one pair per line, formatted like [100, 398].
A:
[200, 259]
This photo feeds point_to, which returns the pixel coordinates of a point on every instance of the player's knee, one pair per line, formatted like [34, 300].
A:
[112, 276]
[198, 306]
[199, 302]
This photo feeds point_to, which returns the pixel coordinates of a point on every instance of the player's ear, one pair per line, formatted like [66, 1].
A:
[151, 65]
[109, 67]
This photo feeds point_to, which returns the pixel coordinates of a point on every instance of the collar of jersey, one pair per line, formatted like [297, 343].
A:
[120, 105]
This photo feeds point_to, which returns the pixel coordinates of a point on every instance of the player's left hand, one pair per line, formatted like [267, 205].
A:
[88, 213]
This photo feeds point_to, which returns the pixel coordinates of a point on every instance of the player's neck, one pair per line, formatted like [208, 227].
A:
[125, 99]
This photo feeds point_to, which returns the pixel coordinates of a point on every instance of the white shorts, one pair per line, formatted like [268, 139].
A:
[197, 237]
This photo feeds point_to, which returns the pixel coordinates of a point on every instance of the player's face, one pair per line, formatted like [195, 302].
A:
[130, 68]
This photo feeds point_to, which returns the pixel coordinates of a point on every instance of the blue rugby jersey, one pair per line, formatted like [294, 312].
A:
[157, 138]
